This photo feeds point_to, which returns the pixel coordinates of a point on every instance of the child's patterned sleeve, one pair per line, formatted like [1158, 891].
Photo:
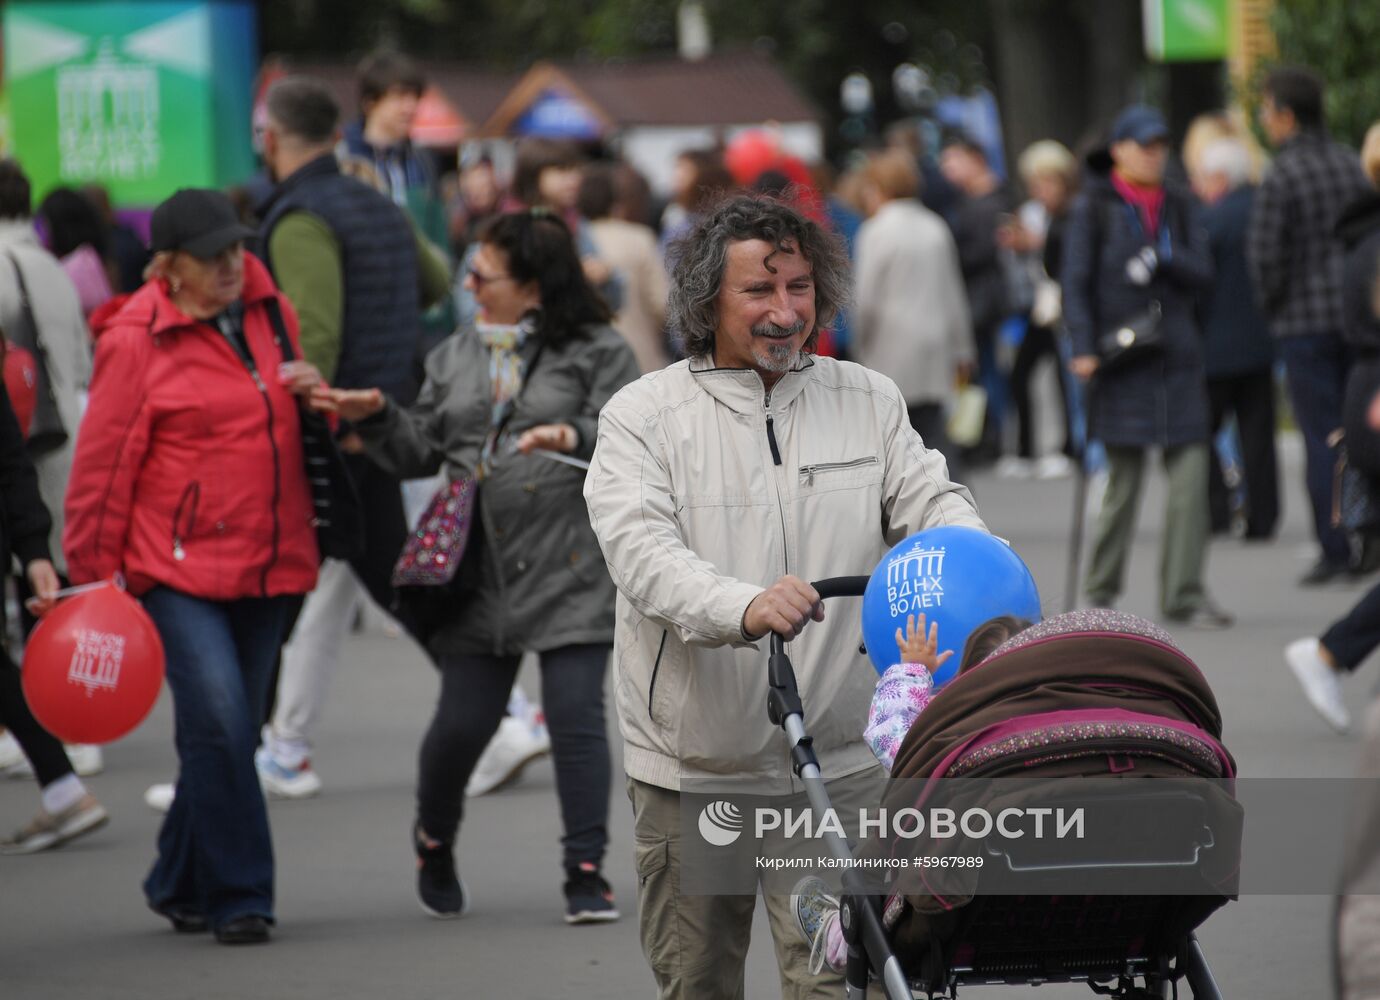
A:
[902, 693]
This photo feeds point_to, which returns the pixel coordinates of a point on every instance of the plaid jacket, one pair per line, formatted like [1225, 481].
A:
[1296, 260]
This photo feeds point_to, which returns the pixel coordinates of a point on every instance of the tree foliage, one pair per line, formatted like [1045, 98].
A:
[1339, 40]
[817, 41]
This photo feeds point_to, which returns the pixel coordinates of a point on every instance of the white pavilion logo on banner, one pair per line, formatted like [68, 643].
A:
[108, 115]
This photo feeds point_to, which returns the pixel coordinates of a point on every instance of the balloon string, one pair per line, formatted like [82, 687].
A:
[118, 581]
[564, 459]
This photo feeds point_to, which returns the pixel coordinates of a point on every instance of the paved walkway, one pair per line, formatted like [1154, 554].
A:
[73, 926]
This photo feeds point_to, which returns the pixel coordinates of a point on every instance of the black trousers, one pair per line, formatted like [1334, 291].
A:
[1037, 344]
[43, 749]
[474, 696]
[1350, 639]
[1251, 398]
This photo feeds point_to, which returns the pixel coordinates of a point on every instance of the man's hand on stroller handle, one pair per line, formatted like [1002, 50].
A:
[785, 608]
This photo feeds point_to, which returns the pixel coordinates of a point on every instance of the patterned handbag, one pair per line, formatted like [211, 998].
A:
[1355, 495]
[436, 545]
[1355, 500]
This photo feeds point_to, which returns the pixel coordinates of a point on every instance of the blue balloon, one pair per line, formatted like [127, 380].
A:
[957, 576]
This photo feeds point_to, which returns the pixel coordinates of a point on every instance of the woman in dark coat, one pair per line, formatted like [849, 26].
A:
[531, 374]
[1132, 247]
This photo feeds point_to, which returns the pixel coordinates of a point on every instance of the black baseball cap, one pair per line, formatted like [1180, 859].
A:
[198, 221]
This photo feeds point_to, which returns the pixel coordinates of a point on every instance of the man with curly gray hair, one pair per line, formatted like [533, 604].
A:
[719, 486]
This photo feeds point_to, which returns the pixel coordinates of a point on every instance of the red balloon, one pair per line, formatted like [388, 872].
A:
[750, 154]
[93, 667]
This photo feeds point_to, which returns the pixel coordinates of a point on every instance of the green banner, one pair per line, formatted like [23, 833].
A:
[1187, 30]
[132, 95]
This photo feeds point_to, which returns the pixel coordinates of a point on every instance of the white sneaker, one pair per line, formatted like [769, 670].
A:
[516, 744]
[1014, 467]
[1322, 685]
[10, 752]
[281, 782]
[86, 760]
[1055, 466]
[159, 797]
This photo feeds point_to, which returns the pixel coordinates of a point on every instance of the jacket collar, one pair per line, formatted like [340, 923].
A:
[258, 286]
[355, 143]
[742, 390]
[18, 232]
[323, 166]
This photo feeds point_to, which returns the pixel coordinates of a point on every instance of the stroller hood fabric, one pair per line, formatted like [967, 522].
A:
[1066, 700]
[1093, 659]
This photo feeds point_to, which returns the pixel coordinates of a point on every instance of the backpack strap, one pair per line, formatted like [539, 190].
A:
[280, 334]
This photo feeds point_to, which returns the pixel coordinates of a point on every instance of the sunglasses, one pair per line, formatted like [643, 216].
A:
[480, 279]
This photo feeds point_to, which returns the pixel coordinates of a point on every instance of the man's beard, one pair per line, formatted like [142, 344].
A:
[776, 356]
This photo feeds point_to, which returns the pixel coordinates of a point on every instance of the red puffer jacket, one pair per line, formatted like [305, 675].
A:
[187, 473]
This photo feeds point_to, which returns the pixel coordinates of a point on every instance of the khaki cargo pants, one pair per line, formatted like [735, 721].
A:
[697, 944]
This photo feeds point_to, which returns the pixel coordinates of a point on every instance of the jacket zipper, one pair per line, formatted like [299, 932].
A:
[656, 668]
[771, 435]
[808, 471]
[192, 495]
[780, 504]
[277, 478]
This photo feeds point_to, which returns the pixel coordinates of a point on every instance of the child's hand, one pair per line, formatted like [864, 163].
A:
[917, 647]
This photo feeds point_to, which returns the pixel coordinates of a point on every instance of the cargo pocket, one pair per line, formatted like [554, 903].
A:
[656, 903]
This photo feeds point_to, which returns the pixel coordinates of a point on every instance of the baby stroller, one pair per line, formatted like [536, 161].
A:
[1085, 694]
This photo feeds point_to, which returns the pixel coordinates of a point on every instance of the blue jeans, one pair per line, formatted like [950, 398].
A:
[1316, 368]
[214, 853]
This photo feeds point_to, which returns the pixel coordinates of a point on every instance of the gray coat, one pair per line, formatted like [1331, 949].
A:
[57, 311]
[534, 576]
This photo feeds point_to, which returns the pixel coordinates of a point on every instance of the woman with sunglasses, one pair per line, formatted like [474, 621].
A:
[512, 401]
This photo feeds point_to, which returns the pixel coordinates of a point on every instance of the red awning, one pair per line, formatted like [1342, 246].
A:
[437, 122]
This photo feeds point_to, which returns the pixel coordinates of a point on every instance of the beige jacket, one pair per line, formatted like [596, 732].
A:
[696, 517]
[912, 322]
[631, 250]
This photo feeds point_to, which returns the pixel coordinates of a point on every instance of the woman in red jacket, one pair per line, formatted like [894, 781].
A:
[189, 480]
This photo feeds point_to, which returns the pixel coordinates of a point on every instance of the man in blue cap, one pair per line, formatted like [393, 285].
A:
[1135, 259]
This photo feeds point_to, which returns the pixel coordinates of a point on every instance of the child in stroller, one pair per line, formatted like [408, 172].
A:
[1081, 694]
[903, 692]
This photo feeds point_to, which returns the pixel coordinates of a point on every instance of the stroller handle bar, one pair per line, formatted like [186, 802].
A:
[868, 946]
[834, 586]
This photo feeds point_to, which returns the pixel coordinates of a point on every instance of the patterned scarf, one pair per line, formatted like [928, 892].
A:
[507, 367]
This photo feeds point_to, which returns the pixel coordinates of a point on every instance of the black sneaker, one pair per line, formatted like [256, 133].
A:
[588, 898]
[439, 889]
[1324, 572]
[250, 929]
[183, 919]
